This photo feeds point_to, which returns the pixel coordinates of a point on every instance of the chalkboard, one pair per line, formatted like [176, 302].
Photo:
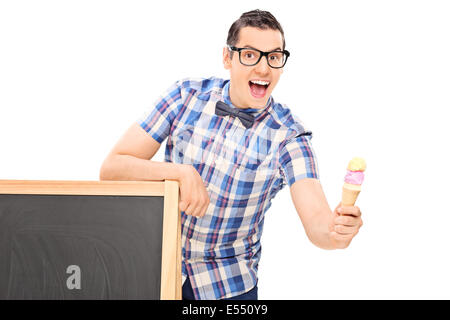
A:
[89, 240]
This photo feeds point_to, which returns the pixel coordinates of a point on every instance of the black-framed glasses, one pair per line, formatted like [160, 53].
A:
[250, 56]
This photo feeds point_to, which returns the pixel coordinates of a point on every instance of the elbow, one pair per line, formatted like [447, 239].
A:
[106, 172]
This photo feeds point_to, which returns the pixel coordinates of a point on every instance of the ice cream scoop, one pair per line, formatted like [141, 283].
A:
[353, 180]
[354, 177]
[357, 164]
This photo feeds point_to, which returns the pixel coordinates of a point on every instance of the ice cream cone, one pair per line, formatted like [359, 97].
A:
[352, 181]
[349, 194]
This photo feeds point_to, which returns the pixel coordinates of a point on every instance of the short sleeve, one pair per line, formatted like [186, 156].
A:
[298, 160]
[158, 121]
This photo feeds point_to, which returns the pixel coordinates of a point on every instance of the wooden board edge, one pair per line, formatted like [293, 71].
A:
[171, 244]
[65, 187]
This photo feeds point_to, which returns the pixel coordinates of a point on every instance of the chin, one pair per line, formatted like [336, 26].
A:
[259, 103]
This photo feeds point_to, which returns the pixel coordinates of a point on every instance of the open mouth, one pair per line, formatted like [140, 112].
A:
[258, 88]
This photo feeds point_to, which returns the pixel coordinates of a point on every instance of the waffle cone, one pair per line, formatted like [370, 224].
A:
[349, 194]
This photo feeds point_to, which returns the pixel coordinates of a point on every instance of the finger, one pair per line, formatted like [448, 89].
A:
[190, 209]
[182, 205]
[197, 212]
[341, 241]
[340, 237]
[347, 220]
[345, 230]
[349, 210]
[336, 210]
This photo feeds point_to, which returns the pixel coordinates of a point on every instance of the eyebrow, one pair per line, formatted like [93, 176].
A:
[250, 47]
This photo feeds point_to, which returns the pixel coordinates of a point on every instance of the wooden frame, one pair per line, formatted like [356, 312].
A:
[171, 235]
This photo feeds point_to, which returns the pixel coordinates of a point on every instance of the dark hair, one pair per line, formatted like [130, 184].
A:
[255, 18]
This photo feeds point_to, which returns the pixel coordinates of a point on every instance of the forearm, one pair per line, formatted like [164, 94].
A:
[314, 211]
[126, 167]
[318, 230]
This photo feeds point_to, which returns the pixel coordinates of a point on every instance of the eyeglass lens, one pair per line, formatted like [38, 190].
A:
[250, 57]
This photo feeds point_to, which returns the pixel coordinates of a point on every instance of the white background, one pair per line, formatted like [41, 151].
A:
[369, 78]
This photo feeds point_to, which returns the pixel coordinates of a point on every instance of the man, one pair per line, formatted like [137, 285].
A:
[232, 148]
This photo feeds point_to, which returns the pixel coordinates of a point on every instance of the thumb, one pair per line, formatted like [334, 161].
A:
[336, 209]
[182, 205]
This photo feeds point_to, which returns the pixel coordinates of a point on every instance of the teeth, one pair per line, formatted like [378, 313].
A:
[263, 83]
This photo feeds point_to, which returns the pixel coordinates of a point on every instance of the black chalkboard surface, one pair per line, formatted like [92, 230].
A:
[87, 242]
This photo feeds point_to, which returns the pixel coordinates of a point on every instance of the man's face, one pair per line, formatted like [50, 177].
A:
[244, 93]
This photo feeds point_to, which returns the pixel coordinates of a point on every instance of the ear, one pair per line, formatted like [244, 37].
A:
[226, 58]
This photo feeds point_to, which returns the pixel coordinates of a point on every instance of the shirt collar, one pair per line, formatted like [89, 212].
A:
[256, 112]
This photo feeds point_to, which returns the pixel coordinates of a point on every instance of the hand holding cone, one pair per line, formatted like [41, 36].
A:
[353, 180]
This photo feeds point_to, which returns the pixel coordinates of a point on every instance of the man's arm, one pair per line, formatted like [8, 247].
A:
[130, 160]
[325, 228]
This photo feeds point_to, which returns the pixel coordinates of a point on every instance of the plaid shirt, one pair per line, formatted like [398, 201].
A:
[243, 169]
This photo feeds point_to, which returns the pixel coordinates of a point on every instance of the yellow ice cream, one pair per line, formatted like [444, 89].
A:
[357, 164]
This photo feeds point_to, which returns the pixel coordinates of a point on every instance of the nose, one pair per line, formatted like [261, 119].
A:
[262, 67]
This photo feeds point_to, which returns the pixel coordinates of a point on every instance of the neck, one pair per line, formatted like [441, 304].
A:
[234, 99]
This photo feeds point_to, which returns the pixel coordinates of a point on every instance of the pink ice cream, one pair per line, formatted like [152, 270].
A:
[354, 177]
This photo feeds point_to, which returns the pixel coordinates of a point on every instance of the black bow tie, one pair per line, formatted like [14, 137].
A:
[222, 109]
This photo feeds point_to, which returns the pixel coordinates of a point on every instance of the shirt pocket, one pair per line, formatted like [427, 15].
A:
[191, 146]
[249, 152]
[256, 170]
